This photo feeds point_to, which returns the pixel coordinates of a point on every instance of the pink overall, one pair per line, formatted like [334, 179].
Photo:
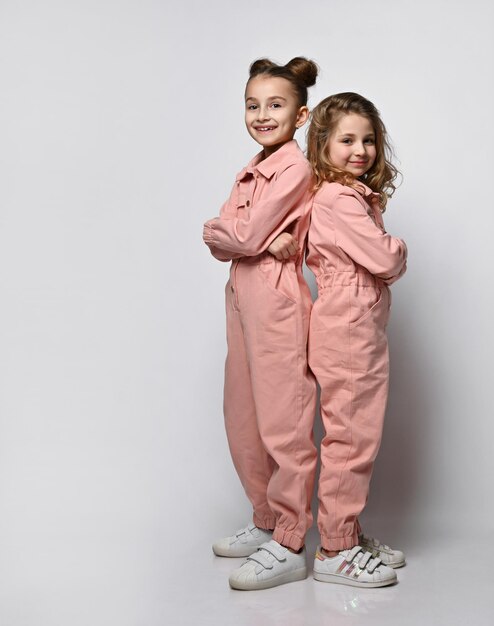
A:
[269, 396]
[353, 260]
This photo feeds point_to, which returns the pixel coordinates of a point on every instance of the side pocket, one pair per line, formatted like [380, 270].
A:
[369, 312]
[270, 272]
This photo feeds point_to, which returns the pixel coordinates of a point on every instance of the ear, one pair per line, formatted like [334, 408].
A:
[302, 116]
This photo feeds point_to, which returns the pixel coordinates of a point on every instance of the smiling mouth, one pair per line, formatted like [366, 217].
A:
[264, 129]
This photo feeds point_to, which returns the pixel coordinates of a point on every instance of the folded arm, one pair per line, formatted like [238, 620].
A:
[362, 240]
[251, 235]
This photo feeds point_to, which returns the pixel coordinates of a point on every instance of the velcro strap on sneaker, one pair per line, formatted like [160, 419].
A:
[262, 559]
[242, 532]
[368, 561]
[373, 564]
[364, 559]
[353, 553]
[279, 552]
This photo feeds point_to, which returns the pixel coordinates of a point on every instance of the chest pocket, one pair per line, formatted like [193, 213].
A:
[242, 205]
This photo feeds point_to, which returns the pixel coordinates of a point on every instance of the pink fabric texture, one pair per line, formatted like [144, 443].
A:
[354, 260]
[269, 394]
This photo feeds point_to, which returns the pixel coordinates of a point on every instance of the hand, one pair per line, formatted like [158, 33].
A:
[284, 247]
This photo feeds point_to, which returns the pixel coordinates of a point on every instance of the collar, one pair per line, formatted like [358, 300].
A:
[366, 191]
[267, 167]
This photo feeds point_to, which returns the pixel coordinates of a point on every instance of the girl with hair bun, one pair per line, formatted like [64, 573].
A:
[269, 393]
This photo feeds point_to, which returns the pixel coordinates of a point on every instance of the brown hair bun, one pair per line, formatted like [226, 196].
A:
[304, 69]
[261, 66]
[300, 72]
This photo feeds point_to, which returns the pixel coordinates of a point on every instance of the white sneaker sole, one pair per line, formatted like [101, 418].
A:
[281, 579]
[353, 582]
[237, 553]
[396, 565]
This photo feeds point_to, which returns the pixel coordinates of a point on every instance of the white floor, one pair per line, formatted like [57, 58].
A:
[445, 582]
[154, 581]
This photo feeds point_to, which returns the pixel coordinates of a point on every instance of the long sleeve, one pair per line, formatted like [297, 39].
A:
[222, 255]
[252, 234]
[362, 240]
[218, 253]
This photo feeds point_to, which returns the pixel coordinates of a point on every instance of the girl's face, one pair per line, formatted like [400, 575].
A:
[352, 144]
[272, 112]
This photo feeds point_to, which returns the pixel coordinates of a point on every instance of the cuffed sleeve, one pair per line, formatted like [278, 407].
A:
[218, 253]
[207, 235]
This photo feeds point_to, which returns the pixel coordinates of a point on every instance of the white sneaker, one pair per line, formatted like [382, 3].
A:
[243, 543]
[270, 566]
[391, 558]
[353, 567]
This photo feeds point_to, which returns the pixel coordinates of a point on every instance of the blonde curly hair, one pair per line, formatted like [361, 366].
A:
[324, 119]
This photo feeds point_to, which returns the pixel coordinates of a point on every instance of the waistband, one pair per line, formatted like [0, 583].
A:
[347, 279]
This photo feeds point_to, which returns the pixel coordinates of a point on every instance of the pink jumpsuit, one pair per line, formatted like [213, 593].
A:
[269, 395]
[353, 260]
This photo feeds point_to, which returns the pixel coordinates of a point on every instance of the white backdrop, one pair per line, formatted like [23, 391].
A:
[121, 132]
